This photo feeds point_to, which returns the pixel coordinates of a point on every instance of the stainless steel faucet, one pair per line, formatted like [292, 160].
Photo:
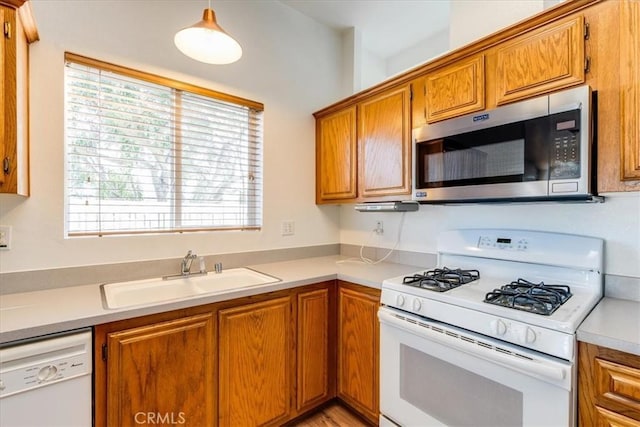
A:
[185, 267]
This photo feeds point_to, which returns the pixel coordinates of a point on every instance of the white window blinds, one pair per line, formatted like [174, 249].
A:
[146, 154]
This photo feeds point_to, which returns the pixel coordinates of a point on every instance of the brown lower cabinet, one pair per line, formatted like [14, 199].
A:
[358, 343]
[260, 360]
[608, 387]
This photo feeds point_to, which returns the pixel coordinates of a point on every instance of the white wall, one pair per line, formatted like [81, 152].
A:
[373, 69]
[473, 19]
[351, 61]
[617, 221]
[419, 53]
[291, 63]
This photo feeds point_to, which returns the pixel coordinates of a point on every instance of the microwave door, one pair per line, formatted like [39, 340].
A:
[504, 162]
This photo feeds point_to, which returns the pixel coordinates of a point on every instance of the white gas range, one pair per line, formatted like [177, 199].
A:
[495, 322]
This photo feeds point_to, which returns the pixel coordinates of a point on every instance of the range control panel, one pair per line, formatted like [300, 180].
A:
[503, 243]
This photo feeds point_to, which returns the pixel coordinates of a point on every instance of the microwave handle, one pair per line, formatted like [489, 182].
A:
[553, 374]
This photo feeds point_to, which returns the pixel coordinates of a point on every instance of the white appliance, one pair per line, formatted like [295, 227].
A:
[47, 381]
[452, 357]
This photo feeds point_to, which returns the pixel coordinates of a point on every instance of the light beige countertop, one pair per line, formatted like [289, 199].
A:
[614, 323]
[31, 314]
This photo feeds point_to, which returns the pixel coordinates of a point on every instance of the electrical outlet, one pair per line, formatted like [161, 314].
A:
[379, 228]
[288, 228]
[5, 237]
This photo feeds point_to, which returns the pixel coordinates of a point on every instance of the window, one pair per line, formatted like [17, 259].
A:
[146, 154]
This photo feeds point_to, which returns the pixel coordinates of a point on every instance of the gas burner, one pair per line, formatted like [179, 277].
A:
[532, 297]
[442, 279]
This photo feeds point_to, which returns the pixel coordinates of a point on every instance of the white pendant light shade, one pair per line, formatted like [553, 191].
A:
[207, 42]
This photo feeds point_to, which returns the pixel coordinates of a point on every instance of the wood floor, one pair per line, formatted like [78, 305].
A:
[334, 415]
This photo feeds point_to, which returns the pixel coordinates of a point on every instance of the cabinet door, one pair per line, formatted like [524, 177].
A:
[358, 342]
[19, 30]
[384, 144]
[543, 60]
[312, 349]
[336, 156]
[456, 90]
[608, 387]
[7, 63]
[418, 102]
[162, 374]
[630, 88]
[255, 363]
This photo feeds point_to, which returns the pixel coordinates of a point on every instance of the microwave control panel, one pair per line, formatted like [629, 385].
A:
[565, 150]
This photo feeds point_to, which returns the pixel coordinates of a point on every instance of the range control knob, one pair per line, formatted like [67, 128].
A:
[2, 386]
[529, 335]
[417, 305]
[400, 300]
[498, 327]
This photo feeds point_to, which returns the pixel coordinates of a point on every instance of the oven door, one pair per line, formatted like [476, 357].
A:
[432, 374]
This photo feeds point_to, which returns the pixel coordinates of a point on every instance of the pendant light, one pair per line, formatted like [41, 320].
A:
[206, 41]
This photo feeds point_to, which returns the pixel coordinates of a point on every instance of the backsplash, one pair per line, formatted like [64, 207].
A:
[615, 286]
[36, 280]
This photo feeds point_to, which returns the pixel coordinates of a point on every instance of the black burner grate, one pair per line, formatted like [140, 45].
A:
[532, 297]
[442, 279]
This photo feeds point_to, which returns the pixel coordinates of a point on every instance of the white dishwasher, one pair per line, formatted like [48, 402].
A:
[46, 381]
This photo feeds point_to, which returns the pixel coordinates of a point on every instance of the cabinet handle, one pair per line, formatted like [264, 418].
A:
[6, 163]
[7, 29]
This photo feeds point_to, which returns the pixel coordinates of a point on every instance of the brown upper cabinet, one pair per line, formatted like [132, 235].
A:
[630, 89]
[363, 151]
[384, 144]
[540, 61]
[594, 42]
[418, 102]
[455, 90]
[19, 31]
[336, 156]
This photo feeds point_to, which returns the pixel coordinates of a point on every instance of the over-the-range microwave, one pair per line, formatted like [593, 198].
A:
[533, 150]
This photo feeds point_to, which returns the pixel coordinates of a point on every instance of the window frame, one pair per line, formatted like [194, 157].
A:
[179, 87]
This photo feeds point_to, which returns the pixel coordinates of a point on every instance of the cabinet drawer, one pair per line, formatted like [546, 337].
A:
[619, 384]
[611, 419]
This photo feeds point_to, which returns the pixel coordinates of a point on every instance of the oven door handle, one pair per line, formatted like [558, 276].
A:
[538, 368]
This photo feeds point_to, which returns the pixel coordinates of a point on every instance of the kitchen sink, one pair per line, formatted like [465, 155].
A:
[149, 291]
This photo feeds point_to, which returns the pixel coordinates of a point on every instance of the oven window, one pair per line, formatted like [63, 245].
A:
[454, 395]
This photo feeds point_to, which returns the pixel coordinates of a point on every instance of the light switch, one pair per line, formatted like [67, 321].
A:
[5, 237]
[288, 228]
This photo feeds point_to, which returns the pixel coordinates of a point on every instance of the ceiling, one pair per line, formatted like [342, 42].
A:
[387, 27]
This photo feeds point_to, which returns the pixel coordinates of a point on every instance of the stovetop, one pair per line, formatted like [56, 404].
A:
[501, 263]
[521, 294]
[441, 279]
[538, 298]
[472, 295]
